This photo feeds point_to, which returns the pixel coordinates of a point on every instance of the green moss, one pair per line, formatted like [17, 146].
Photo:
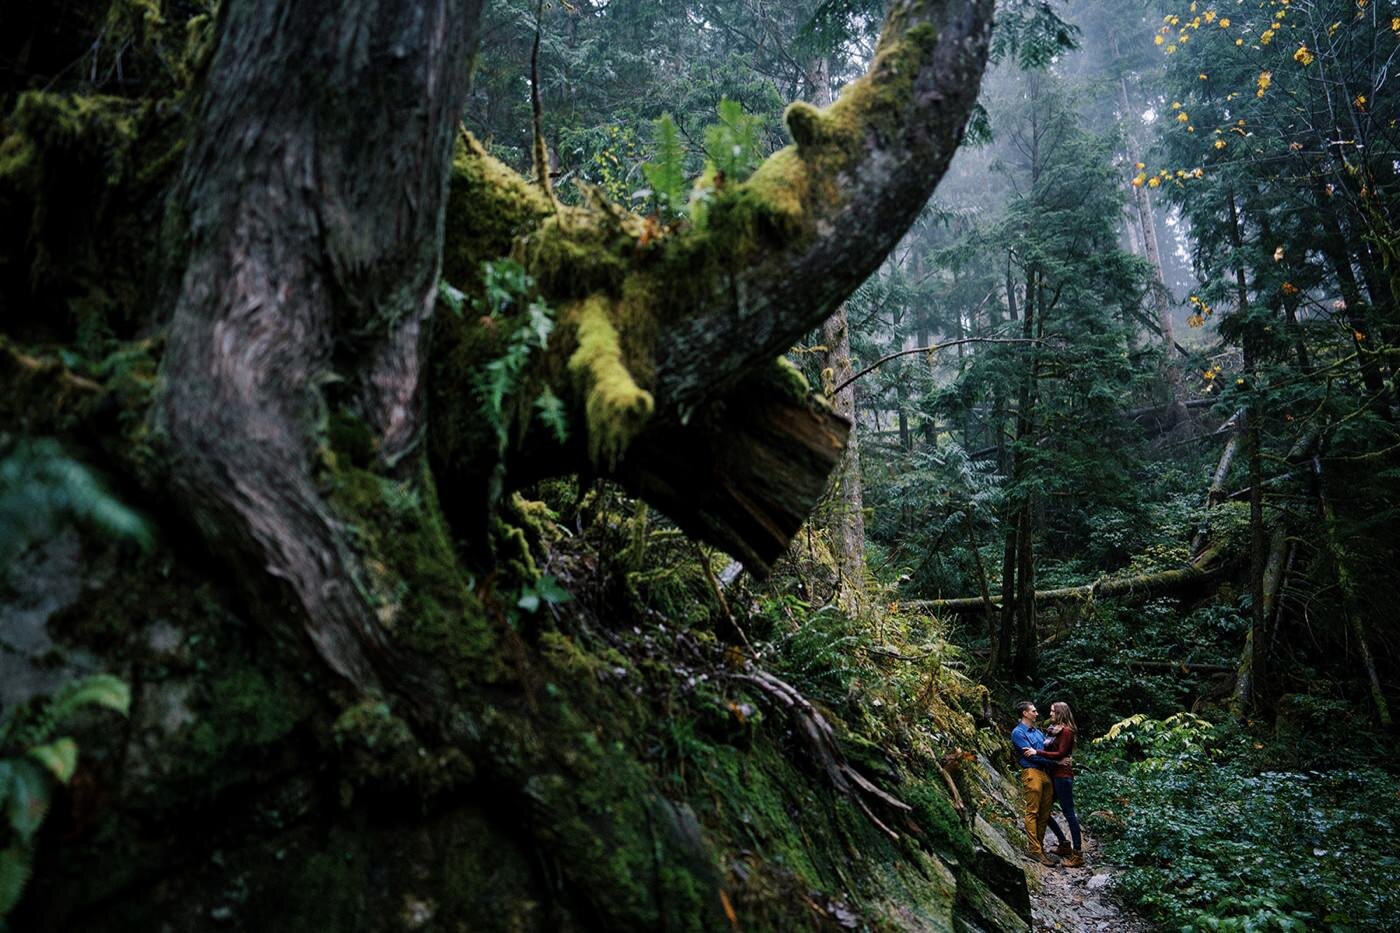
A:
[379, 748]
[418, 587]
[488, 207]
[937, 818]
[617, 408]
[241, 711]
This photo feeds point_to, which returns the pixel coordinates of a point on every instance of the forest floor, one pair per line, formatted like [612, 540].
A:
[1078, 899]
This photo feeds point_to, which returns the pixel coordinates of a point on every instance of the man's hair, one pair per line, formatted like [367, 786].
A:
[1023, 706]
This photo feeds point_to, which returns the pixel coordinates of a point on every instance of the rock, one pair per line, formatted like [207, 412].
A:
[1099, 881]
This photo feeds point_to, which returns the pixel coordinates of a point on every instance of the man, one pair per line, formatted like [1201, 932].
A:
[1035, 782]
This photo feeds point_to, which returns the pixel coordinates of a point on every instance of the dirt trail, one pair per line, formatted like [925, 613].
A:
[1077, 899]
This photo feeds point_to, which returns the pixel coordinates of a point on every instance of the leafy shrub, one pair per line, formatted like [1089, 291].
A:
[1212, 839]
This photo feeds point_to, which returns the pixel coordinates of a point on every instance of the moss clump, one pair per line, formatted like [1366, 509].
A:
[241, 711]
[488, 207]
[617, 408]
[421, 593]
[937, 818]
[380, 748]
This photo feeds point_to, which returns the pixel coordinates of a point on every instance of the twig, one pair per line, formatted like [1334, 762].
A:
[931, 348]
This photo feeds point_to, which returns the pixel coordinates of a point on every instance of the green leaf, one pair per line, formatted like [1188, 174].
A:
[28, 802]
[544, 590]
[60, 756]
[454, 299]
[97, 690]
[552, 415]
[15, 869]
[551, 592]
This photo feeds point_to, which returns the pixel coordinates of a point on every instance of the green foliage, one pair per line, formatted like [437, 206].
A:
[1032, 33]
[1212, 837]
[666, 173]
[732, 145]
[31, 759]
[40, 486]
[507, 302]
[544, 591]
[821, 655]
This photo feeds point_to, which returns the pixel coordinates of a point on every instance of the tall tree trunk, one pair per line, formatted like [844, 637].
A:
[1147, 227]
[1254, 667]
[1025, 654]
[1334, 247]
[1346, 583]
[847, 523]
[1010, 519]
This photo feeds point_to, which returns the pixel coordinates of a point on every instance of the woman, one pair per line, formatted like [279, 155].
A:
[1059, 747]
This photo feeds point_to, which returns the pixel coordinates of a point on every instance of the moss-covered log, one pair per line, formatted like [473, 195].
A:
[1140, 586]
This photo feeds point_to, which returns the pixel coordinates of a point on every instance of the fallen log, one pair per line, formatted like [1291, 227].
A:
[1201, 570]
[1182, 667]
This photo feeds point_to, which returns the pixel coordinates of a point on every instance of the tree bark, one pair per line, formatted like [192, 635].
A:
[300, 238]
[846, 524]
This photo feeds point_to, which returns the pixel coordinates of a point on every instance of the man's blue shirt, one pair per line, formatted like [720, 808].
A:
[1023, 736]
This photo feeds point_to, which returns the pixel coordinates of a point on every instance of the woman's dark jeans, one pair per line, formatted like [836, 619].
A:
[1064, 796]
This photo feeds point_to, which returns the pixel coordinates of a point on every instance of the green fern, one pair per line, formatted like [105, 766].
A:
[732, 144]
[666, 175]
[31, 760]
[530, 322]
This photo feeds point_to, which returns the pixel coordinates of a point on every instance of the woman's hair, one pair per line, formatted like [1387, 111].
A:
[1059, 711]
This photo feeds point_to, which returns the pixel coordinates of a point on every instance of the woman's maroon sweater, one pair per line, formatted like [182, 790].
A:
[1060, 745]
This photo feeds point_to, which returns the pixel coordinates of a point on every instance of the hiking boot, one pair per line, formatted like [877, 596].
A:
[1064, 849]
[1075, 859]
[1045, 858]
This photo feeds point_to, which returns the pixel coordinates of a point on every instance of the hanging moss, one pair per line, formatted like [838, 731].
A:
[617, 408]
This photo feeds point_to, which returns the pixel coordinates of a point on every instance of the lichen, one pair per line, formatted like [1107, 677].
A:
[616, 407]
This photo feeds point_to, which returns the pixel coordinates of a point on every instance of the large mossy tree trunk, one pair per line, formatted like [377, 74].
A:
[323, 428]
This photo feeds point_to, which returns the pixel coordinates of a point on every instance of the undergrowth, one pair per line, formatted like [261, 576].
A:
[1215, 831]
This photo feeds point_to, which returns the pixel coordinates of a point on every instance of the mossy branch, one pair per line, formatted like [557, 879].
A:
[617, 408]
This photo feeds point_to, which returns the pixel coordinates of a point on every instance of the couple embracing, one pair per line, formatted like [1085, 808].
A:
[1047, 776]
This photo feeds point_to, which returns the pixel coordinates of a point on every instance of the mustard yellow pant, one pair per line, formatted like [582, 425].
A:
[1039, 796]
